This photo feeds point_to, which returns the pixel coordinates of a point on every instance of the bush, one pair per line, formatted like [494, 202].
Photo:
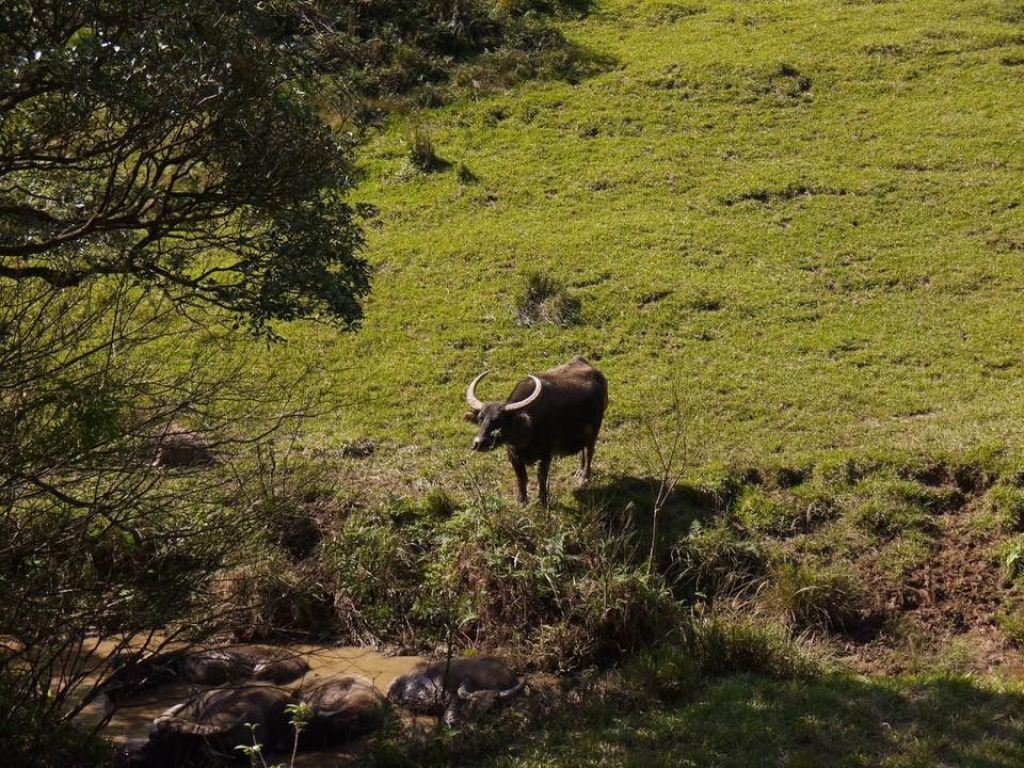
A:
[421, 150]
[724, 645]
[544, 300]
[558, 588]
[713, 563]
[810, 599]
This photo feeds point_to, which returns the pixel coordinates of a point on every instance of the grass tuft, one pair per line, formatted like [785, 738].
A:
[544, 300]
[817, 600]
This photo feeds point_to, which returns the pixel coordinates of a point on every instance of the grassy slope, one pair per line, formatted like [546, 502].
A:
[859, 231]
[805, 217]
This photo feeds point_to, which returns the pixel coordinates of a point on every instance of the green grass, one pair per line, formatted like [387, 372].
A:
[803, 215]
[806, 219]
[745, 721]
[837, 721]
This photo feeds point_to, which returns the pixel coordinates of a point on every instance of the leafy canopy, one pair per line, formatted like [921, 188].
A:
[175, 143]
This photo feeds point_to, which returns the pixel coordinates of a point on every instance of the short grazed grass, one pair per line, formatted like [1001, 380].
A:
[801, 220]
[806, 216]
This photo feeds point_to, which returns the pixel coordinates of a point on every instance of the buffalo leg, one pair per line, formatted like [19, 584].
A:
[542, 479]
[520, 469]
[586, 457]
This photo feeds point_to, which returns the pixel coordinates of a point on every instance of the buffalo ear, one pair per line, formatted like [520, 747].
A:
[470, 416]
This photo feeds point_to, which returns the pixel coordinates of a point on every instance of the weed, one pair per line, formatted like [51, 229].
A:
[723, 645]
[758, 512]
[1011, 553]
[422, 154]
[889, 507]
[813, 599]
[713, 563]
[669, 673]
[545, 300]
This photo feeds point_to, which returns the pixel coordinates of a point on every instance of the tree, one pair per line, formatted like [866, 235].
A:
[177, 144]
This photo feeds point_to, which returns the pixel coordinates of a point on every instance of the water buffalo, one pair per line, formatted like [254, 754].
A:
[455, 689]
[213, 666]
[554, 413]
[343, 709]
[208, 728]
[177, 446]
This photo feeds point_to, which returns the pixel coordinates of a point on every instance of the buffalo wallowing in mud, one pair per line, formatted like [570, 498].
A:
[554, 413]
[456, 689]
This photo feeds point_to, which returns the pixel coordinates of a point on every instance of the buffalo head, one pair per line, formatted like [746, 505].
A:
[500, 423]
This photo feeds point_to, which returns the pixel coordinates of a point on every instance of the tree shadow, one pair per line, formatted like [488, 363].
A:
[832, 720]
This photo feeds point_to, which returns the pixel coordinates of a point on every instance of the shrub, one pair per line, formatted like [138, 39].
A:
[724, 645]
[712, 563]
[270, 598]
[560, 584]
[374, 569]
[421, 150]
[559, 588]
[811, 599]
[545, 300]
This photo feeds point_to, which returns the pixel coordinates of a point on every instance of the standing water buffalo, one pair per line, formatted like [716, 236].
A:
[555, 413]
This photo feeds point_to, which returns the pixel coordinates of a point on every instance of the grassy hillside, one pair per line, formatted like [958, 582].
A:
[805, 217]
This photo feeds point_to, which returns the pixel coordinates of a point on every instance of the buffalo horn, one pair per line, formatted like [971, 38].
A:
[475, 402]
[506, 694]
[523, 403]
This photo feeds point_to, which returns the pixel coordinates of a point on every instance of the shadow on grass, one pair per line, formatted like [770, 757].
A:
[746, 721]
[682, 506]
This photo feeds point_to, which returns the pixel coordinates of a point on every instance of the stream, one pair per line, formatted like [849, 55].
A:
[133, 719]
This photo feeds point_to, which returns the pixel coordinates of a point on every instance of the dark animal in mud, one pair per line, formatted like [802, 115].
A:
[343, 709]
[456, 689]
[214, 666]
[554, 413]
[207, 729]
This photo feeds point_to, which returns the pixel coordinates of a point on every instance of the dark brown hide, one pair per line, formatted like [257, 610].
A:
[455, 688]
[212, 666]
[343, 709]
[206, 729]
[565, 419]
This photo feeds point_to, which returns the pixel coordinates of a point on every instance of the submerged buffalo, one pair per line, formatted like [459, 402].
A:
[342, 709]
[208, 728]
[456, 689]
[554, 413]
[214, 666]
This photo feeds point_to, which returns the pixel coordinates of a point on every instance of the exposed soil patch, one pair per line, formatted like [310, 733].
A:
[953, 597]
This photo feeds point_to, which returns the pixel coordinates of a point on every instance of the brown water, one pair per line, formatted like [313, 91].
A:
[133, 719]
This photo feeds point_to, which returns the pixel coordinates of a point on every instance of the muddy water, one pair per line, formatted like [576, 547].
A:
[133, 719]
